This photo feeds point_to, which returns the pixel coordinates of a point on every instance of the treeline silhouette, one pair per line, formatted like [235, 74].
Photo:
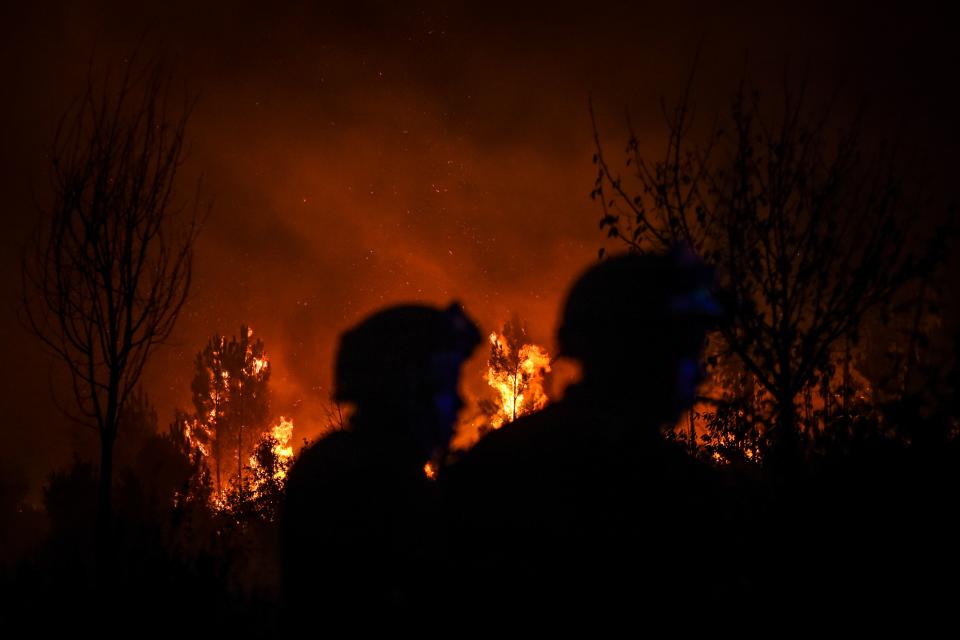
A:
[176, 560]
[791, 488]
[592, 506]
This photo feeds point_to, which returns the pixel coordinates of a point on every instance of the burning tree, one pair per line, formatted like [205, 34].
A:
[198, 489]
[806, 237]
[110, 268]
[515, 369]
[232, 430]
[232, 402]
[269, 464]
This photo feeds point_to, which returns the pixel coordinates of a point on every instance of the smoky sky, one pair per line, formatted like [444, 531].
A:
[364, 154]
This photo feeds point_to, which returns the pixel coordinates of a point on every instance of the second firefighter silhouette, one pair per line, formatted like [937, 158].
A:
[585, 505]
[361, 534]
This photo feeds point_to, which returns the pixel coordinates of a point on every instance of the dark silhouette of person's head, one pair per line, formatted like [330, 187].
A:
[359, 532]
[571, 500]
[637, 325]
[400, 368]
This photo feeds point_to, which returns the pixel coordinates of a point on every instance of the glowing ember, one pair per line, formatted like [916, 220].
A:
[430, 471]
[516, 372]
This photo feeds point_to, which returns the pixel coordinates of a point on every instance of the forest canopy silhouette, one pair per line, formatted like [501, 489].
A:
[805, 222]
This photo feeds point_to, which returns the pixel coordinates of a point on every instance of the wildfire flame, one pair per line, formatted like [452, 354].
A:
[282, 449]
[518, 381]
[282, 432]
[816, 405]
[189, 429]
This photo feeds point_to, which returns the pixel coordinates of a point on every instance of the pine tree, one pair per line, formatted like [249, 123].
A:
[231, 398]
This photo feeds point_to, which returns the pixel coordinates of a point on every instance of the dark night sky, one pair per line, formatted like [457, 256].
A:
[374, 154]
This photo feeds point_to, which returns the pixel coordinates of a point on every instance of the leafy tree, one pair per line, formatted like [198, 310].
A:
[806, 235]
[138, 422]
[68, 495]
[109, 270]
[268, 473]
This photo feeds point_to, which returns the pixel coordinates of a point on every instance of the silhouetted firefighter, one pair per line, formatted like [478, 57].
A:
[584, 506]
[361, 535]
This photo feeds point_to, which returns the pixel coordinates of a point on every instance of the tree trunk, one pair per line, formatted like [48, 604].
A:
[240, 458]
[786, 441]
[104, 547]
[217, 447]
[240, 445]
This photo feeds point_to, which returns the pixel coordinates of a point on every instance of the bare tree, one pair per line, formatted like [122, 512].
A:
[806, 236]
[110, 268]
[333, 416]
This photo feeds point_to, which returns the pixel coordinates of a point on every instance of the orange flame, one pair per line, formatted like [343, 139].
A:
[430, 471]
[190, 428]
[519, 385]
[282, 432]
